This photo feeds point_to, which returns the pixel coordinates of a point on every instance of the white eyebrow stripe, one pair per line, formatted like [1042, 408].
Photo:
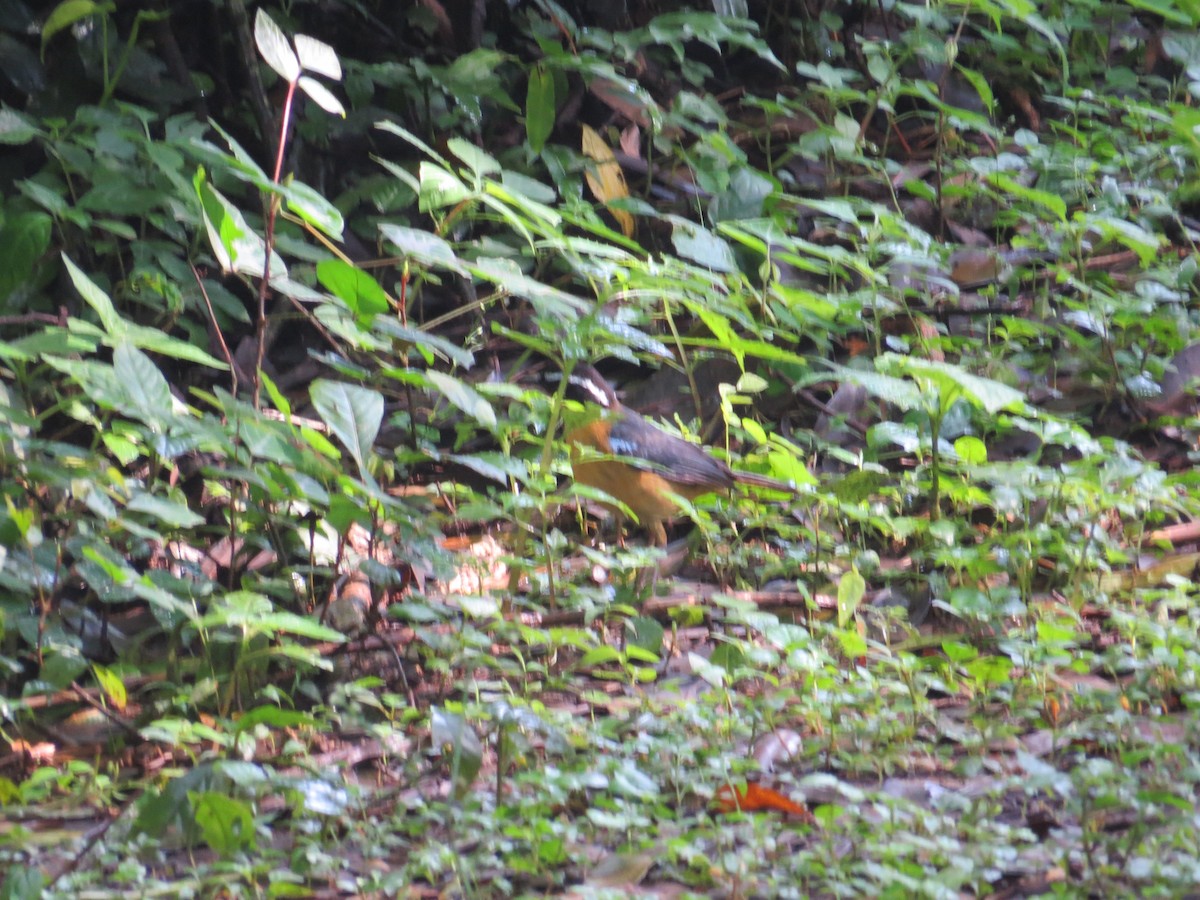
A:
[594, 390]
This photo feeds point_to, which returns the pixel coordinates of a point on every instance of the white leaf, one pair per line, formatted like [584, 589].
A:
[317, 56]
[322, 96]
[274, 47]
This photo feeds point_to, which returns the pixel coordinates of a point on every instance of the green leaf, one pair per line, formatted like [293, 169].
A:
[156, 341]
[464, 397]
[1051, 202]
[477, 160]
[450, 731]
[96, 299]
[539, 108]
[301, 626]
[170, 513]
[439, 188]
[853, 643]
[600, 656]
[951, 381]
[958, 652]
[424, 339]
[647, 633]
[702, 246]
[25, 238]
[15, 128]
[278, 399]
[111, 684]
[240, 162]
[971, 450]
[147, 390]
[1179, 12]
[354, 415]
[68, 13]
[550, 301]
[226, 823]
[728, 656]
[22, 882]
[314, 209]
[851, 590]
[422, 246]
[354, 287]
[236, 246]
[407, 135]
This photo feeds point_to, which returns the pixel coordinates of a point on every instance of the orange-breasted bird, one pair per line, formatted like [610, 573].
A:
[623, 454]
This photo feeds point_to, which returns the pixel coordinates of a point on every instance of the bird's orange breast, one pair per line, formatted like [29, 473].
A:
[648, 494]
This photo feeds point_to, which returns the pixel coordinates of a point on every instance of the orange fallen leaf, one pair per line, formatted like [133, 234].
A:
[605, 178]
[755, 798]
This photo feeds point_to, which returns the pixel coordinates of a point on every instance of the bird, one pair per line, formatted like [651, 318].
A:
[625, 455]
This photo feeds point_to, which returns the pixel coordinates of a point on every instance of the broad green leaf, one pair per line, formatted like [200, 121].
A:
[498, 467]
[15, 128]
[1179, 12]
[226, 823]
[241, 164]
[273, 717]
[237, 247]
[168, 512]
[111, 684]
[314, 209]
[1144, 243]
[301, 626]
[353, 286]
[278, 399]
[477, 160]
[951, 381]
[274, 47]
[543, 218]
[971, 450]
[68, 13]
[853, 643]
[95, 378]
[599, 656]
[25, 237]
[700, 245]
[422, 246]
[851, 590]
[439, 188]
[464, 397]
[729, 657]
[156, 341]
[353, 414]
[1052, 202]
[168, 609]
[895, 391]
[647, 633]
[147, 390]
[424, 340]
[504, 273]
[789, 467]
[522, 188]
[407, 135]
[112, 323]
[539, 108]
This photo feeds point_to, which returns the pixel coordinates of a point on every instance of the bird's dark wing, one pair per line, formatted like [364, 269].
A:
[637, 442]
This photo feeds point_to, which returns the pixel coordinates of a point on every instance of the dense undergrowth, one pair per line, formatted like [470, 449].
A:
[297, 596]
